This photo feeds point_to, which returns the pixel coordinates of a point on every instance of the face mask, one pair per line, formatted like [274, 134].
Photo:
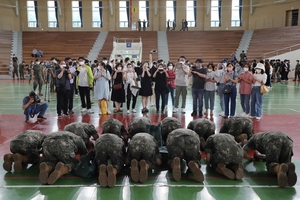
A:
[146, 65]
[258, 71]
[62, 66]
[105, 61]
[81, 63]
[170, 67]
[246, 69]
[229, 69]
[54, 61]
[181, 62]
[130, 70]
[209, 70]
[37, 63]
[197, 65]
[119, 68]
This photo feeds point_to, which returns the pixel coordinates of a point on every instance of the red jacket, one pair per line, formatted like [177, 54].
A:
[171, 79]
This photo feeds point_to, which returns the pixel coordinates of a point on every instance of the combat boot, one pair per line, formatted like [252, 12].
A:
[45, 170]
[143, 171]
[19, 159]
[222, 169]
[195, 169]
[134, 172]
[176, 169]
[281, 171]
[242, 138]
[60, 169]
[102, 175]
[111, 175]
[8, 159]
[238, 171]
[291, 174]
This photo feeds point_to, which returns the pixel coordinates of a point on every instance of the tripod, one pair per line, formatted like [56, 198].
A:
[47, 87]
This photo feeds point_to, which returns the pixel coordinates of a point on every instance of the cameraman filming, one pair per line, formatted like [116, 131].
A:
[33, 105]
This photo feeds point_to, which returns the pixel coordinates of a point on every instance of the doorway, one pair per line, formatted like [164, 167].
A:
[292, 17]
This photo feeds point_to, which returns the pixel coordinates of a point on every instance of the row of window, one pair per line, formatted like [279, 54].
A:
[124, 12]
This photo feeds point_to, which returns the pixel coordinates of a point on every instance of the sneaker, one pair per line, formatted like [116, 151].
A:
[108, 112]
[41, 118]
[133, 111]
[128, 112]
[146, 109]
[83, 110]
[258, 118]
[221, 114]
[100, 113]
[193, 113]
[183, 110]
[175, 110]
[252, 117]
[71, 112]
[90, 111]
[26, 120]
[59, 116]
[243, 114]
[66, 114]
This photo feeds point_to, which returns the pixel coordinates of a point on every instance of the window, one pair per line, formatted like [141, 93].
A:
[52, 14]
[215, 18]
[32, 14]
[170, 12]
[77, 14]
[144, 12]
[236, 13]
[191, 13]
[124, 14]
[97, 13]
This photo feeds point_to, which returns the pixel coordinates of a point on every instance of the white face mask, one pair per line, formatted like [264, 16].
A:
[209, 70]
[81, 63]
[62, 66]
[246, 69]
[119, 68]
[54, 61]
[37, 63]
[105, 61]
[170, 67]
[258, 71]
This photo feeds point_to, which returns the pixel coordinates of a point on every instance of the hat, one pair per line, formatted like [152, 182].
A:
[260, 66]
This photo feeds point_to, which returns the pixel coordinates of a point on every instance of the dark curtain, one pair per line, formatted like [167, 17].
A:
[80, 12]
[36, 13]
[127, 12]
[220, 12]
[147, 13]
[195, 12]
[174, 8]
[100, 13]
[241, 9]
[56, 12]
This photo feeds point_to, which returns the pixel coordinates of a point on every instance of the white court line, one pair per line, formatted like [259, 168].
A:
[294, 110]
[145, 185]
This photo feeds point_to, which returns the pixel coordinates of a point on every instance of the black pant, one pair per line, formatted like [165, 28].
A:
[162, 95]
[71, 96]
[84, 93]
[62, 102]
[129, 94]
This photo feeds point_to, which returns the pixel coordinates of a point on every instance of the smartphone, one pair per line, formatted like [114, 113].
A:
[154, 50]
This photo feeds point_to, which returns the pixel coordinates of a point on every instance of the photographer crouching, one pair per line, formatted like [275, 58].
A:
[33, 105]
[63, 77]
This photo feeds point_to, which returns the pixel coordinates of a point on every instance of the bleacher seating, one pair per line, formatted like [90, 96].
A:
[268, 40]
[5, 51]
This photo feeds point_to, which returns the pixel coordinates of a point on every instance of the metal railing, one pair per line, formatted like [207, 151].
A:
[124, 40]
[281, 51]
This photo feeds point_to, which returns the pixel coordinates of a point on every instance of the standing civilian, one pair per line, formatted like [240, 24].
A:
[160, 77]
[230, 79]
[171, 85]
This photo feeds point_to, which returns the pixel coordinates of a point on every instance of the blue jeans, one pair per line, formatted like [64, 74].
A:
[256, 102]
[221, 95]
[209, 95]
[232, 99]
[245, 102]
[197, 96]
[162, 95]
[172, 92]
[40, 110]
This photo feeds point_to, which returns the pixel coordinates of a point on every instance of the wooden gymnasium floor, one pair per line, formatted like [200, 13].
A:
[281, 112]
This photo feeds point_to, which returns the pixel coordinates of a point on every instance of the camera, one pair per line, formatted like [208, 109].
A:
[160, 69]
[66, 67]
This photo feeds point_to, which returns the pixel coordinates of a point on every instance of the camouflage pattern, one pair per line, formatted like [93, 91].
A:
[168, 125]
[38, 76]
[28, 143]
[62, 146]
[277, 146]
[235, 126]
[114, 126]
[110, 146]
[203, 127]
[223, 149]
[83, 130]
[185, 144]
[138, 125]
[143, 146]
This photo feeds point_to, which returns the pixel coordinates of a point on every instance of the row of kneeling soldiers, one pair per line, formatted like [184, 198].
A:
[224, 152]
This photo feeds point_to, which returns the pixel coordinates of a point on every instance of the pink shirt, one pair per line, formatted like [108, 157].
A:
[246, 88]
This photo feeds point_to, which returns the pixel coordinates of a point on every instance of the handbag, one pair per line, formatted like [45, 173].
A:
[135, 84]
[87, 166]
[264, 89]
[227, 89]
[117, 86]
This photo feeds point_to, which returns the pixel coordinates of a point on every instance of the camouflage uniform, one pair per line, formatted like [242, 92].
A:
[203, 127]
[143, 146]
[236, 126]
[168, 124]
[138, 125]
[185, 144]
[114, 126]
[53, 78]
[28, 143]
[224, 149]
[277, 147]
[83, 130]
[110, 146]
[38, 77]
[62, 146]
